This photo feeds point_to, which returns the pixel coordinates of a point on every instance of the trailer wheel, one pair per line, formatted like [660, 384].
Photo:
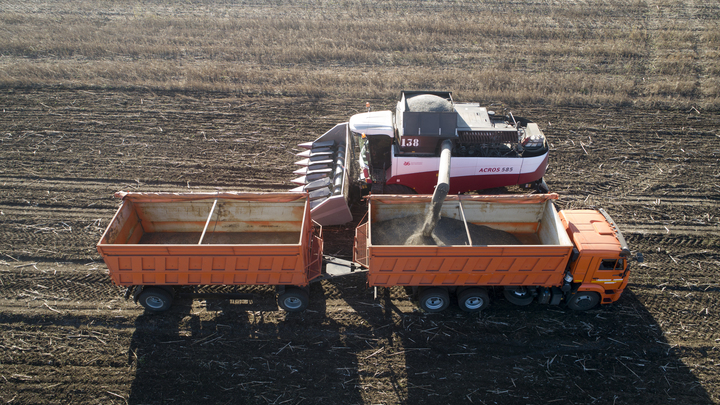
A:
[473, 299]
[155, 299]
[583, 300]
[434, 299]
[293, 299]
[519, 296]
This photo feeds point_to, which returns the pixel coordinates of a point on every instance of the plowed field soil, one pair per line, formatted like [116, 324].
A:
[68, 336]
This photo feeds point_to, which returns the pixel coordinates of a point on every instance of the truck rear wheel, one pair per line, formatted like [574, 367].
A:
[583, 300]
[473, 299]
[518, 295]
[434, 299]
[294, 299]
[155, 299]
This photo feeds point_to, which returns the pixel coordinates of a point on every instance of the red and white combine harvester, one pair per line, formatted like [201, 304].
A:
[399, 153]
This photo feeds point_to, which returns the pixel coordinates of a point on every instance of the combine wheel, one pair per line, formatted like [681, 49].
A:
[397, 189]
[542, 187]
[583, 300]
[434, 299]
[519, 295]
[294, 299]
[155, 299]
[473, 299]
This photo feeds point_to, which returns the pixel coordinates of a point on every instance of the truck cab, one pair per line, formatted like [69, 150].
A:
[600, 269]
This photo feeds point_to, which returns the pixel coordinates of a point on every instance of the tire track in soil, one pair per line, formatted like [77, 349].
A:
[62, 165]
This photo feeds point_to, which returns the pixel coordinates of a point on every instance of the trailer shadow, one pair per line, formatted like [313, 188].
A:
[220, 351]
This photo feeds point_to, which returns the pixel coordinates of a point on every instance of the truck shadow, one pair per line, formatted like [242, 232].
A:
[349, 348]
[525, 355]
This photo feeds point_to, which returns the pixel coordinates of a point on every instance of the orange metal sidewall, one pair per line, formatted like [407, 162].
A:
[466, 265]
[136, 264]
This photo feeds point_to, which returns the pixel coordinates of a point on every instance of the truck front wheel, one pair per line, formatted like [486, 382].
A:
[473, 299]
[518, 295]
[155, 299]
[583, 300]
[294, 299]
[434, 299]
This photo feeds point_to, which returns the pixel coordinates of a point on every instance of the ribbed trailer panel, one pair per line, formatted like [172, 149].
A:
[463, 266]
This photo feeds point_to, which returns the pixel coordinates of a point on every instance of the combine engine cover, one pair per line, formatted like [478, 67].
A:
[394, 153]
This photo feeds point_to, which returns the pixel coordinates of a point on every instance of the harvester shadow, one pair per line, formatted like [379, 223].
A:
[507, 354]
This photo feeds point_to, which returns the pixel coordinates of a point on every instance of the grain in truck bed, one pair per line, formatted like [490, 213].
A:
[488, 222]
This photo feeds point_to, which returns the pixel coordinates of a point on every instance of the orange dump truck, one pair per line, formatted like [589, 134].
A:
[158, 242]
[573, 256]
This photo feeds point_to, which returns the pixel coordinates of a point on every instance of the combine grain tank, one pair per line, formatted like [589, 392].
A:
[386, 152]
[159, 242]
[517, 243]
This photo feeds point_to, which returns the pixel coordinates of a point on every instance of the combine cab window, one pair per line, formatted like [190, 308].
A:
[364, 150]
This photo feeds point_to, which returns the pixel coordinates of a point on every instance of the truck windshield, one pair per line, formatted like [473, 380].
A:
[612, 264]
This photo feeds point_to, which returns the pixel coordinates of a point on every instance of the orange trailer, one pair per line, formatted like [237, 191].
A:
[157, 242]
[560, 256]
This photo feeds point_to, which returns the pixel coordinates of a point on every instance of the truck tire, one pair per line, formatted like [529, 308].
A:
[473, 299]
[583, 300]
[434, 299]
[518, 295]
[155, 299]
[294, 299]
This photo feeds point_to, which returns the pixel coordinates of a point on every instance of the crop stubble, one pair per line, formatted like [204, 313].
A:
[654, 53]
[67, 335]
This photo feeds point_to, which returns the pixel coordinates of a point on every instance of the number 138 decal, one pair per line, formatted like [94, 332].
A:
[409, 142]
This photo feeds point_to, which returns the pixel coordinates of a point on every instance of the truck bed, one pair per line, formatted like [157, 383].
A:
[540, 257]
[227, 238]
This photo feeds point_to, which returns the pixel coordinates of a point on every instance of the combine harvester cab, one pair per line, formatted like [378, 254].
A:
[382, 152]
